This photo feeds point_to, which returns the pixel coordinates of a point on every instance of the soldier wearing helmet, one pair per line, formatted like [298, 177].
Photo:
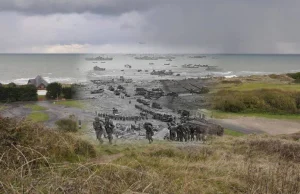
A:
[109, 127]
[98, 126]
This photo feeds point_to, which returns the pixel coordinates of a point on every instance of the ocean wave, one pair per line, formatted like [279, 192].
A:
[254, 72]
[66, 80]
[230, 76]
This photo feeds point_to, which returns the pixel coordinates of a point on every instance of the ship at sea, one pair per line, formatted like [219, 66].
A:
[193, 66]
[127, 66]
[96, 68]
[146, 58]
[99, 58]
[166, 57]
[214, 69]
[197, 57]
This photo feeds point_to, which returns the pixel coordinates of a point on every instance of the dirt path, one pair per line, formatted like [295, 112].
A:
[250, 125]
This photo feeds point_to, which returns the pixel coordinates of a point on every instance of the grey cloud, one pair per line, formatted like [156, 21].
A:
[110, 7]
[227, 26]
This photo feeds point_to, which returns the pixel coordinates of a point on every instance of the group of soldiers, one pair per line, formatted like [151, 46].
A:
[157, 116]
[122, 118]
[196, 130]
[184, 132]
[103, 129]
[107, 127]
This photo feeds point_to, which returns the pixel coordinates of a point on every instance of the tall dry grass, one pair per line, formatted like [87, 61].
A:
[32, 163]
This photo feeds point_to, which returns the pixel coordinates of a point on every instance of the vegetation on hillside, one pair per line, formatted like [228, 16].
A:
[37, 160]
[56, 90]
[13, 93]
[258, 101]
[295, 76]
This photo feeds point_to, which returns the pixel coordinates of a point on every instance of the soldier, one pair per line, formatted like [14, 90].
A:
[99, 129]
[109, 127]
[180, 133]
[192, 131]
[149, 131]
[172, 128]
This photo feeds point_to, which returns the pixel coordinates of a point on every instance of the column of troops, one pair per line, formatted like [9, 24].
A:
[123, 118]
[157, 116]
[188, 132]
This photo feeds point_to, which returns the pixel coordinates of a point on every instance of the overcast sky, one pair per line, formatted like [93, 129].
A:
[150, 26]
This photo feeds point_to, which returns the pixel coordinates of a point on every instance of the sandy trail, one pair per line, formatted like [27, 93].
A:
[260, 125]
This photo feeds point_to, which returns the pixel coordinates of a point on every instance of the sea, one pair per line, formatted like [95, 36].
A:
[74, 68]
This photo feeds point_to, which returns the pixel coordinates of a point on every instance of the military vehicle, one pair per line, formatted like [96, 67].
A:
[97, 91]
[110, 88]
[174, 94]
[156, 105]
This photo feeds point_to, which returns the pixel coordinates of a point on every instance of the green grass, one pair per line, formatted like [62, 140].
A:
[38, 117]
[256, 86]
[35, 107]
[71, 103]
[233, 133]
[224, 115]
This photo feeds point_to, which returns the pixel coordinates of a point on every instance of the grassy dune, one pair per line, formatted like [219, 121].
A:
[255, 86]
[37, 160]
[226, 115]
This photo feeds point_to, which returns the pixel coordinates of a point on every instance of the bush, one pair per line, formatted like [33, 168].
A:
[13, 93]
[54, 90]
[69, 92]
[67, 125]
[294, 75]
[261, 101]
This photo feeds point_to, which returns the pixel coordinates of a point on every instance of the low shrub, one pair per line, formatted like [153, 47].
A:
[261, 101]
[295, 76]
[67, 125]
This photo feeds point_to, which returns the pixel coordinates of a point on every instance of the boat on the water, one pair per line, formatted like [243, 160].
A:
[127, 66]
[193, 66]
[167, 64]
[190, 66]
[96, 68]
[169, 60]
[103, 62]
[99, 58]
[151, 63]
[146, 58]
[197, 57]
[166, 57]
[214, 68]
[162, 72]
